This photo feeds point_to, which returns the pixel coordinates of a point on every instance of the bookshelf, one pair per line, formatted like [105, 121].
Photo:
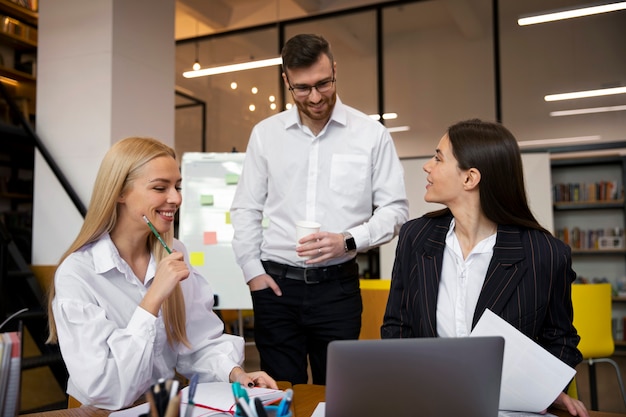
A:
[590, 216]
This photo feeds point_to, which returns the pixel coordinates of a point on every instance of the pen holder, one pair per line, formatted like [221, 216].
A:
[271, 411]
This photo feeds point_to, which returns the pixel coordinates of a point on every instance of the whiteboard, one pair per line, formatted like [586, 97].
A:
[537, 178]
[208, 187]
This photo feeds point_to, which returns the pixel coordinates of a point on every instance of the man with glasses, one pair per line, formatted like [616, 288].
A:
[325, 162]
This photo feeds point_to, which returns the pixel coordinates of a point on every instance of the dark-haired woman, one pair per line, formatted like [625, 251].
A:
[484, 250]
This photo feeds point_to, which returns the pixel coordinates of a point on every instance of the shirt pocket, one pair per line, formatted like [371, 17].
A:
[348, 174]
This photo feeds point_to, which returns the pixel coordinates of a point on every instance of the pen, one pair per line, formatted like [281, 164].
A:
[158, 236]
[173, 407]
[283, 407]
[239, 392]
[193, 383]
[260, 410]
[245, 409]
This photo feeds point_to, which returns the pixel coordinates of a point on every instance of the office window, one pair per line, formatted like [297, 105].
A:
[235, 101]
[438, 69]
[585, 53]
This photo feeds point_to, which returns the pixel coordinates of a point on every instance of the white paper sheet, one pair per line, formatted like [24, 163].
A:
[532, 378]
[217, 395]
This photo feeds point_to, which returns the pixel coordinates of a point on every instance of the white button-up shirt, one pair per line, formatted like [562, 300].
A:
[113, 349]
[337, 178]
[461, 283]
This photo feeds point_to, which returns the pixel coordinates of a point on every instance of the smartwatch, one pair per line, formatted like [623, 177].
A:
[349, 244]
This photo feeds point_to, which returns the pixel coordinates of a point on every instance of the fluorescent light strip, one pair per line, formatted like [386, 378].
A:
[570, 14]
[576, 112]
[585, 94]
[386, 116]
[558, 141]
[233, 67]
[398, 129]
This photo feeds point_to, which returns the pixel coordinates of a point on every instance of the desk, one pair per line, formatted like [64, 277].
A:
[305, 399]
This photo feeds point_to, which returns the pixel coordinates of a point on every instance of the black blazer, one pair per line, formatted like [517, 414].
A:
[528, 284]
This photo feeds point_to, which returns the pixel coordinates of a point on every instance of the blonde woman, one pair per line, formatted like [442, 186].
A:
[124, 311]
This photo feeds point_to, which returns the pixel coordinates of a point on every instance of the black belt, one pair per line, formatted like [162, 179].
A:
[313, 275]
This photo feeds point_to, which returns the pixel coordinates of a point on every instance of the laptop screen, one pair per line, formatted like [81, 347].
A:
[414, 377]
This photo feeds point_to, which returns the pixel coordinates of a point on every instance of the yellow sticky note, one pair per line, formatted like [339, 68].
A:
[227, 217]
[196, 258]
[210, 238]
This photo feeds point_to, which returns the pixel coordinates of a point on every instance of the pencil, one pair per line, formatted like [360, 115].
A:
[158, 236]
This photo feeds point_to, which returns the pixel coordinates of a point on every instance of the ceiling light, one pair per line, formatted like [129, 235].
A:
[575, 112]
[233, 67]
[571, 13]
[585, 94]
[196, 65]
[254, 90]
[233, 85]
[558, 141]
[398, 129]
[386, 116]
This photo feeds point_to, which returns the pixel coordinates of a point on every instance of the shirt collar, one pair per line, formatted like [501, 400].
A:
[107, 257]
[339, 115]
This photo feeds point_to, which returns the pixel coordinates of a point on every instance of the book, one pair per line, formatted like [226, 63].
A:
[10, 405]
[10, 373]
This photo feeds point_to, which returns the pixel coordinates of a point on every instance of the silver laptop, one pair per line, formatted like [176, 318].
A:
[429, 377]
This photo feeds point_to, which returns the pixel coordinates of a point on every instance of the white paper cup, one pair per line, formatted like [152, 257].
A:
[305, 228]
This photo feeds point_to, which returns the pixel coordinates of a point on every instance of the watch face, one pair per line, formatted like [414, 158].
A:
[350, 243]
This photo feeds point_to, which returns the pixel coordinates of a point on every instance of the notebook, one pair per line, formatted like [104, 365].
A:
[430, 377]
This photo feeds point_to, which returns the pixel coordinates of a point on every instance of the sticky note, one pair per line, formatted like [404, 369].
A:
[206, 200]
[196, 258]
[265, 222]
[232, 179]
[227, 217]
[210, 238]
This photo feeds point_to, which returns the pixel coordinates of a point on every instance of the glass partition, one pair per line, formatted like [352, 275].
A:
[235, 101]
[585, 53]
[439, 65]
[438, 69]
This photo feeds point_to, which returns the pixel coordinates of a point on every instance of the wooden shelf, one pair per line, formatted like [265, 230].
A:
[16, 75]
[19, 12]
[589, 205]
[18, 42]
[598, 252]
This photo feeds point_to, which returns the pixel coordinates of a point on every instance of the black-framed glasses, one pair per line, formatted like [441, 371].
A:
[304, 90]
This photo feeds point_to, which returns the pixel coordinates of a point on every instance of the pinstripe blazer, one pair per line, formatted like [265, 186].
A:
[528, 284]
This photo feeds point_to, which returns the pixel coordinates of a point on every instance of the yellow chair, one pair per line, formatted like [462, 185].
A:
[374, 293]
[592, 319]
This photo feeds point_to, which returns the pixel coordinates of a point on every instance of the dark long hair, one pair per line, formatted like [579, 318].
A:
[304, 50]
[492, 149]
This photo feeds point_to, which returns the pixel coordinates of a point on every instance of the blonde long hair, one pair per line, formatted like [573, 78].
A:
[118, 170]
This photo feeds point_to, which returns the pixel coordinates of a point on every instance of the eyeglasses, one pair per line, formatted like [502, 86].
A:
[305, 90]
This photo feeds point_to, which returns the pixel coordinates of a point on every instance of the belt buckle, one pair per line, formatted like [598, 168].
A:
[306, 277]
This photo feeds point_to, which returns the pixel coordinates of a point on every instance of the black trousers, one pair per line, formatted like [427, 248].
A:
[301, 323]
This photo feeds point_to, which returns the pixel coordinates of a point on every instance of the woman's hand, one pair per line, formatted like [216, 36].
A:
[252, 379]
[170, 271]
[573, 406]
